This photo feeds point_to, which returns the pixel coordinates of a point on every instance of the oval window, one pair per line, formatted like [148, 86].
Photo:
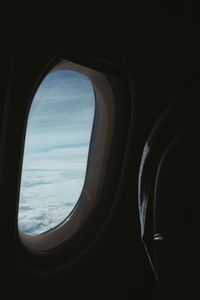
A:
[57, 141]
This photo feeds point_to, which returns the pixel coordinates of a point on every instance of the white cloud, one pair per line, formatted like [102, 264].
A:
[47, 197]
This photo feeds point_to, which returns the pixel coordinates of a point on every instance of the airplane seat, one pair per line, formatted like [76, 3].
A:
[176, 215]
[164, 208]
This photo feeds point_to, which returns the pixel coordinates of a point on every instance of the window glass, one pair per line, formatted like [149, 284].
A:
[56, 150]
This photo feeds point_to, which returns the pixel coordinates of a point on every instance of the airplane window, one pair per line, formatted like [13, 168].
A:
[57, 141]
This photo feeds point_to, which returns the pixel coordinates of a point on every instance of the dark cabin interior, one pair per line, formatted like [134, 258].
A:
[155, 52]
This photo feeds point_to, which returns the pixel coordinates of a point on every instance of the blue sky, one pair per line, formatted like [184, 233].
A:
[60, 120]
[56, 149]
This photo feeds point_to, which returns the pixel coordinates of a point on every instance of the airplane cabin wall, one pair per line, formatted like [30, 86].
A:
[158, 62]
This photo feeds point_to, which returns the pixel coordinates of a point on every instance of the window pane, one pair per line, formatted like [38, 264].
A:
[56, 150]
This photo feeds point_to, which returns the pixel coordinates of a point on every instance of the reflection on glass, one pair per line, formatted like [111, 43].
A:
[56, 150]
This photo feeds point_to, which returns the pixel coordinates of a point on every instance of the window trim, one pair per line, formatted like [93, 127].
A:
[97, 160]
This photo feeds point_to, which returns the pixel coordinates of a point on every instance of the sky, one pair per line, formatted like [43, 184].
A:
[56, 150]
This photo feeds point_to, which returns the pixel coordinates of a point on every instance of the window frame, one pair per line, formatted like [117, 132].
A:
[30, 259]
[104, 110]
